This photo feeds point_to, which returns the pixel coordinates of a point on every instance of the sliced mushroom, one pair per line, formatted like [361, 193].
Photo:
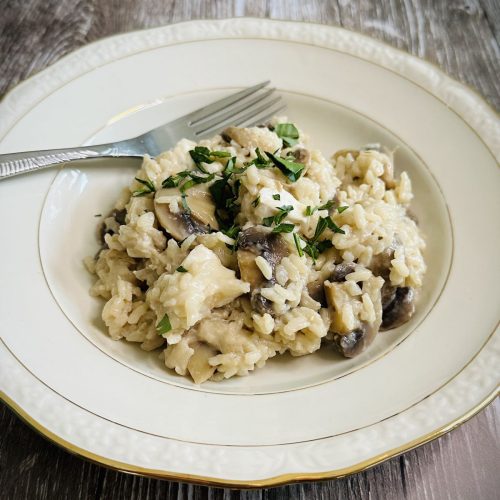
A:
[380, 264]
[302, 155]
[355, 342]
[342, 270]
[316, 288]
[400, 309]
[316, 291]
[112, 223]
[198, 220]
[198, 366]
[254, 242]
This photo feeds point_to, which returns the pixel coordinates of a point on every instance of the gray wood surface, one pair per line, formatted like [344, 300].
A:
[462, 37]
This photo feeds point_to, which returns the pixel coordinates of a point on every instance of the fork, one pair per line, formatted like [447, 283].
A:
[247, 107]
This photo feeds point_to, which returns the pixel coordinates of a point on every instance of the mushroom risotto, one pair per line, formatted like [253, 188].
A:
[248, 245]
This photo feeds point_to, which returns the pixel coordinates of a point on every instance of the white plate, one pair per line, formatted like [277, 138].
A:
[296, 419]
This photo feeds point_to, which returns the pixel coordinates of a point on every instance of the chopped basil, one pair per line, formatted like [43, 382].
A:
[97, 215]
[284, 228]
[174, 180]
[310, 210]
[147, 189]
[260, 161]
[201, 154]
[333, 226]
[220, 154]
[276, 196]
[292, 170]
[195, 179]
[323, 245]
[217, 191]
[320, 227]
[314, 247]
[232, 232]
[184, 203]
[268, 221]
[225, 199]
[256, 202]
[181, 269]
[230, 166]
[164, 325]
[276, 219]
[288, 133]
[326, 206]
[342, 209]
[312, 250]
[296, 239]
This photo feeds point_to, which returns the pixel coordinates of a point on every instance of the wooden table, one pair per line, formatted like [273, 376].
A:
[459, 36]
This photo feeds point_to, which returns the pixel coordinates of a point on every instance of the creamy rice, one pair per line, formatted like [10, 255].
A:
[248, 245]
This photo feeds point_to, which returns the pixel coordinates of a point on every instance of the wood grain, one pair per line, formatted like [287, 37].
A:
[461, 37]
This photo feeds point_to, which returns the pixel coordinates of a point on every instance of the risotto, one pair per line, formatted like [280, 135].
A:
[251, 244]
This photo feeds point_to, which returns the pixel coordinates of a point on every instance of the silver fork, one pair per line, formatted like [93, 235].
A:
[248, 107]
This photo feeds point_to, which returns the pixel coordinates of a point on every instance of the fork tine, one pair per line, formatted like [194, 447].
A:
[242, 118]
[220, 105]
[234, 110]
[262, 118]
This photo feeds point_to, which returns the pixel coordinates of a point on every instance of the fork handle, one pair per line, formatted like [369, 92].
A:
[19, 163]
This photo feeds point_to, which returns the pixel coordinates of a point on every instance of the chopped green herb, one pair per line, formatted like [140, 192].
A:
[323, 245]
[284, 228]
[288, 132]
[260, 161]
[290, 169]
[320, 227]
[98, 215]
[256, 202]
[220, 154]
[276, 196]
[310, 210]
[342, 209]
[147, 189]
[326, 206]
[268, 221]
[312, 250]
[333, 226]
[314, 247]
[195, 179]
[225, 199]
[174, 180]
[164, 325]
[181, 269]
[232, 232]
[296, 239]
[276, 219]
[184, 203]
[230, 166]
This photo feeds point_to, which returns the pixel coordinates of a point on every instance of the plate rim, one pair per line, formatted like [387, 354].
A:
[280, 480]
[487, 139]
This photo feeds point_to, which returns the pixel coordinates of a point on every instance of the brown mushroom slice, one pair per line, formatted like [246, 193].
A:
[353, 343]
[198, 366]
[198, 220]
[316, 288]
[302, 155]
[400, 309]
[253, 242]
